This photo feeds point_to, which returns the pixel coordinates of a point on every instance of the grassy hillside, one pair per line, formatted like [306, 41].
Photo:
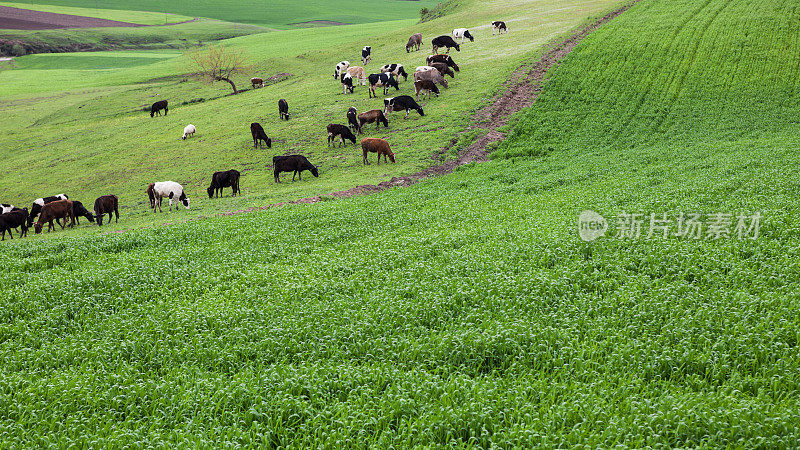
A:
[121, 15]
[463, 311]
[274, 13]
[102, 141]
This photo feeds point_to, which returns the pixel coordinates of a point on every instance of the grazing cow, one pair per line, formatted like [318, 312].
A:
[171, 190]
[447, 59]
[443, 69]
[426, 87]
[5, 207]
[414, 41]
[366, 54]
[283, 109]
[59, 209]
[499, 26]
[13, 219]
[341, 131]
[228, 178]
[258, 133]
[383, 80]
[79, 210]
[396, 70]
[347, 83]
[402, 103]
[432, 75]
[379, 146]
[108, 204]
[151, 194]
[358, 73]
[189, 130]
[157, 107]
[461, 33]
[292, 163]
[444, 41]
[373, 116]
[257, 82]
[352, 120]
[340, 68]
[36, 208]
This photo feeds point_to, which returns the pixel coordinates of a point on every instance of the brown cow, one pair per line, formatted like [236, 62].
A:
[379, 146]
[106, 204]
[61, 209]
[373, 116]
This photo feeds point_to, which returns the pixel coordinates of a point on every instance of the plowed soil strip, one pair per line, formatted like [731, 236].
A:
[26, 19]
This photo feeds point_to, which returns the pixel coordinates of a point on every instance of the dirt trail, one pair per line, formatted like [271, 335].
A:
[521, 91]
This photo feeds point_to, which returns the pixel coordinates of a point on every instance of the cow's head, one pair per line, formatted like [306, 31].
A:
[314, 170]
[210, 191]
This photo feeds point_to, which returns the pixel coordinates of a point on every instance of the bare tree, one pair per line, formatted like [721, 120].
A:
[217, 63]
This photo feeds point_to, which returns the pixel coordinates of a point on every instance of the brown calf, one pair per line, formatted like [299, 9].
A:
[379, 146]
[61, 209]
[373, 116]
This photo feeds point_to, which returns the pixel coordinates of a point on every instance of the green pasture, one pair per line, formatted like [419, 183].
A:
[274, 13]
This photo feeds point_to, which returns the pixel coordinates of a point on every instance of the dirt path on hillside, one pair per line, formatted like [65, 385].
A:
[28, 19]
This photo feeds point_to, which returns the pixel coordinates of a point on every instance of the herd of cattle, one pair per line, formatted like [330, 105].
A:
[60, 209]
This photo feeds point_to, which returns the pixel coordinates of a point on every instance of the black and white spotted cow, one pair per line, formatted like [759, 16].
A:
[461, 33]
[384, 80]
[366, 54]
[40, 202]
[340, 68]
[401, 103]
[499, 26]
[347, 83]
[396, 70]
[5, 207]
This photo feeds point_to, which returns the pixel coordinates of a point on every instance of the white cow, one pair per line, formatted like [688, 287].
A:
[188, 131]
[171, 190]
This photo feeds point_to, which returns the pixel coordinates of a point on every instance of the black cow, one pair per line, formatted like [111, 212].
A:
[283, 109]
[366, 54]
[444, 41]
[259, 135]
[383, 80]
[352, 120]
[402, 103]
[106, 204]
[157, 107]
[447, 59]
[79, 210]
[14, 219]
[228, 178]
[292, 163]
[36, 208]
[341, 131]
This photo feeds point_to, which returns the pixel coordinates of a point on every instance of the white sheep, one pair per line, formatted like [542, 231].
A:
[189, 131]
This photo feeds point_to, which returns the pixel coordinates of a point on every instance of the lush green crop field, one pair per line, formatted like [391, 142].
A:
[273, 13]
[121, 15]
[463, 311]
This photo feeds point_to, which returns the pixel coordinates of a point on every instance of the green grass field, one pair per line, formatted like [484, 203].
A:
[463, 311]
[274, 13]
[121, 15]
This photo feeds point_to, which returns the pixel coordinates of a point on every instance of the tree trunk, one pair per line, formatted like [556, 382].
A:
[229, 81]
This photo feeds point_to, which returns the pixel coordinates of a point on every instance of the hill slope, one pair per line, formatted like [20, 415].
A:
[463, 311]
